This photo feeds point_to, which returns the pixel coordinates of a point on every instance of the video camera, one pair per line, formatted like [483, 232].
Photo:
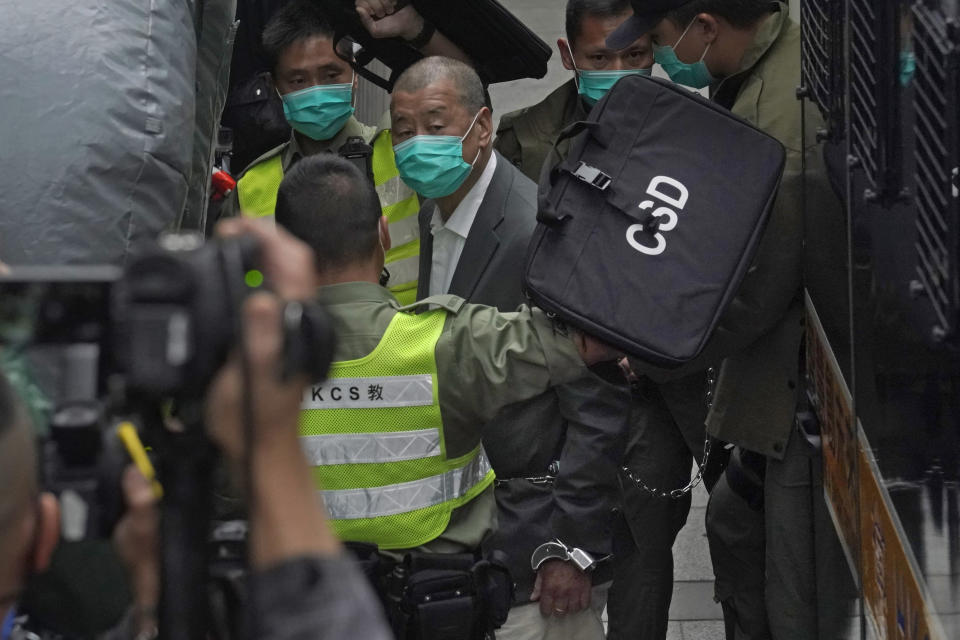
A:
[110, 345]
[110, 348]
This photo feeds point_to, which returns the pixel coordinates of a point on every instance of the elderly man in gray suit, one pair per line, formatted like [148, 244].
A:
[554, 496]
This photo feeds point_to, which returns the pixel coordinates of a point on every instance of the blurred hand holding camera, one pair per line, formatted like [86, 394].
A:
[286, 516]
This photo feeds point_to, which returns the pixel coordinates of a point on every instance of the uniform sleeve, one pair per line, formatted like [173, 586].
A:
[586, 490]
[487, 360]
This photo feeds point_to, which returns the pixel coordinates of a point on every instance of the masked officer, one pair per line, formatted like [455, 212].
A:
[526, 137]
[747, 52]
[318, 90]
[394, 434]
[639, 599]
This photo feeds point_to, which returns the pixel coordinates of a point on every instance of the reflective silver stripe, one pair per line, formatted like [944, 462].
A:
[393, 191]
[368, 393]
[370, 448]
[403, 271]
[404, 231]
[375, 502]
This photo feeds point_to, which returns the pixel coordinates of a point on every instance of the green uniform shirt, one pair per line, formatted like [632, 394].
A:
[525, 137]
[291, 151]
[485, 360]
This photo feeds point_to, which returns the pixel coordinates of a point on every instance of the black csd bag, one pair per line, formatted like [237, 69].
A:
[649, 225]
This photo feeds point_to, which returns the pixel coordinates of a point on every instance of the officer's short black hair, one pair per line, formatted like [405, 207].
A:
[577, 10]
[331, 205]
[741, 14]
[295, 21]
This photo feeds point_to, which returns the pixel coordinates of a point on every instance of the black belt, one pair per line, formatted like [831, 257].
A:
[439, 596]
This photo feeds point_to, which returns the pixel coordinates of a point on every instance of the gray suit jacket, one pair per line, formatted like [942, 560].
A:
[491, 266]
[581, 425]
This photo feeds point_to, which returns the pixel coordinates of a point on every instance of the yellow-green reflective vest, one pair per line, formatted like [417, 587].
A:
[257, 195]
[373, 435]
[401, 206]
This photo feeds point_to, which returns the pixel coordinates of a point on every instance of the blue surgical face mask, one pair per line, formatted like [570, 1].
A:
[593, 85]
[319, 112]
[692, 74]
[433, 166]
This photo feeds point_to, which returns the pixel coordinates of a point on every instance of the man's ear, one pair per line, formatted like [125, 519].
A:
[384, 234]
[47, 532]
[485, 125]
[709, 26]
[566, 55]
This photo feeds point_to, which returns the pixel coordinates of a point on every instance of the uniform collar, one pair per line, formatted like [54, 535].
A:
[294, 151]
[767, 34]
[766, 37]
[355, 292]
[575, 108]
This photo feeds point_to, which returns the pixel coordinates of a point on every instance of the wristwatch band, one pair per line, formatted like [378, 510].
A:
[556, 550]
[420, 40]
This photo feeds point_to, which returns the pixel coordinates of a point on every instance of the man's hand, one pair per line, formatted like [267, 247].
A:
[136, 539]
[275, 402]
[561, 588]
[381, 19]
[593, 350]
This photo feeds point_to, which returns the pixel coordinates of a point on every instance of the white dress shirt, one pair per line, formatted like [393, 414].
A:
[450, 236]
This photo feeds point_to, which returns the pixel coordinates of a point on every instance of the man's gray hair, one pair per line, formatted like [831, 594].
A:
[427, 71]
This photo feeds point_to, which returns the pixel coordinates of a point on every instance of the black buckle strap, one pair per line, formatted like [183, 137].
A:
[592, 176]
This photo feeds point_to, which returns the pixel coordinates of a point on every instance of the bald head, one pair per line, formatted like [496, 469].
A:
[436, 69]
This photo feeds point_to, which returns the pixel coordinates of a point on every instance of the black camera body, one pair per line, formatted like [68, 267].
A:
[136, 350]
[113, 345]
[179, 311]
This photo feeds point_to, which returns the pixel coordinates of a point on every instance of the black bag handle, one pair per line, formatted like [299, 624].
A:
[546, 210]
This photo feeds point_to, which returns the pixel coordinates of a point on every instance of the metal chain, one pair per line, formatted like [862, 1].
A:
[676, 494]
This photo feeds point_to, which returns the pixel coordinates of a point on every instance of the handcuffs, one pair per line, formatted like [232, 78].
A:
[556, 550]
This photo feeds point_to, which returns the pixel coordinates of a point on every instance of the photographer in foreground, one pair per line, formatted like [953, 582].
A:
[293, 555]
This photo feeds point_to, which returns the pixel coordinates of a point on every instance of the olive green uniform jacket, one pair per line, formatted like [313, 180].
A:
[291, 151]
[485, 360]
[757, 342]
[526, 137]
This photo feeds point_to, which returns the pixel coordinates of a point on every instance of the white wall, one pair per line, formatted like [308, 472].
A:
[545, 18]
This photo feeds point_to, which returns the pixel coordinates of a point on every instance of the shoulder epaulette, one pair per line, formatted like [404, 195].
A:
[449, 302]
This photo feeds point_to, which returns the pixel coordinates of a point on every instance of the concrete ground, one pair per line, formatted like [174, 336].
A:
[693, 614]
